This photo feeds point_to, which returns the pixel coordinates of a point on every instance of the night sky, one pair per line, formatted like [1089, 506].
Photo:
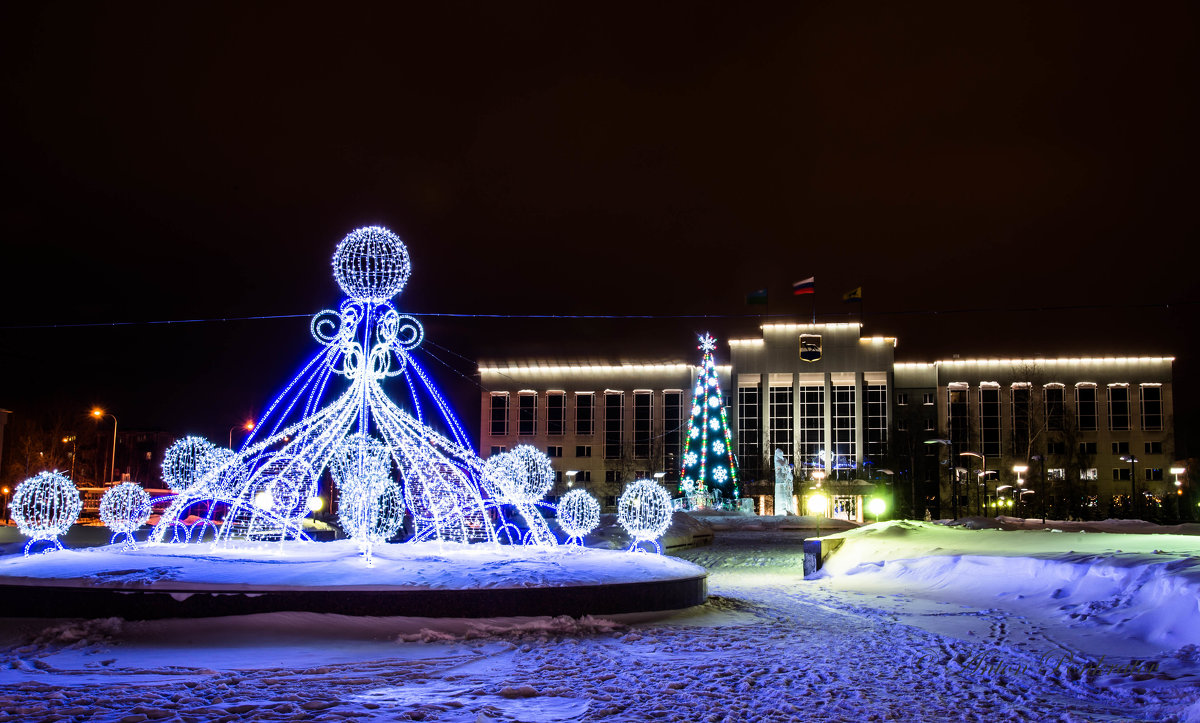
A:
[1026, 171]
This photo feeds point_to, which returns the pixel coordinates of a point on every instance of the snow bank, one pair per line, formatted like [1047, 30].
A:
[1142, 587]
[338, 565]
[733, 521]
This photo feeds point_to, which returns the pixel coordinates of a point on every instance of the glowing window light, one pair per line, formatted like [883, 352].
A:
[44, 508]
[578, 514]
[187, 462]
[125, 508]
[371, 264]
[644, 510]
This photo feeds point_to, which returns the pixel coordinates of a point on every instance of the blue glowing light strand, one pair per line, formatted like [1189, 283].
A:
[447, 413]
[412, 391]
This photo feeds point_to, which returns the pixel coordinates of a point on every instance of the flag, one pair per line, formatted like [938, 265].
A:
[852, 295]
[757, 297]
[804, 286]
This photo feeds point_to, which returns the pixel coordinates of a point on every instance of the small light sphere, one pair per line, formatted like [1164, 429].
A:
[578, 513]
[644, 510]
[187, 462]
[371, 264]
[125, 508]
[876, 506]
[45, 506]
[315, 504]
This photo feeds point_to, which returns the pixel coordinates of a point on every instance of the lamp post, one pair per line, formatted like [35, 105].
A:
[99, 413]
[248, 426]
[891, 486]
[70, 439]
[946, 443]
[982, 474]
[1042, 469]
[816, 507]
[6, 515]
[1132, 460]
[1020, 469]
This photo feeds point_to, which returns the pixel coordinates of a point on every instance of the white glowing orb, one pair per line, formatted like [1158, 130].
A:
[264, 500]
[578, 513]
[45, 506]
[125, 508]
[373, 513]
[188, 461]
[524, 474]
[316, 504]
[371, 264]
[644, 510]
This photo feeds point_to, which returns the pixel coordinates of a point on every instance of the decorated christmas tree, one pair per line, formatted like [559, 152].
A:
[708, 450]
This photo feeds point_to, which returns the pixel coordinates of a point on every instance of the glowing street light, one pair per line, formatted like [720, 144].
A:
[1132, 460]
[876, 507]
[816, 507]
[248, 426]
[6, 517]
[99, 413]
[1020, 469]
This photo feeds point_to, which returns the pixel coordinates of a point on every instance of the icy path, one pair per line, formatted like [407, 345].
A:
[768, 646]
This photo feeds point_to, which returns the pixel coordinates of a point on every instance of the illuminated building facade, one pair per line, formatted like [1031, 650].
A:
[990, 434]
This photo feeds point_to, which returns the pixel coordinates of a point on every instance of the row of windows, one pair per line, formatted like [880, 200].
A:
[1151, 474]
[796, 423]
[612, 419]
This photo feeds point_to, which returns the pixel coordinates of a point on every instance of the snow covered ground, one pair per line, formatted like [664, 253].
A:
[869, 640]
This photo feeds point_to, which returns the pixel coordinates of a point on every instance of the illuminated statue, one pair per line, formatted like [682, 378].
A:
[785, 502]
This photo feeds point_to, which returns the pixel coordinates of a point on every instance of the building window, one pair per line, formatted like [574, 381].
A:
[556, 414]
[526, 415]
[1153, 474]
[1120, 473]
[1087, 448]
[989, 420]
[927, 399]
[583, 450]
[845, 446]
[1152, 408]
[901, 425]
[643, 408]
[497, 449]
[585, 404]
[1057, 448]
[1056, 473]
[584, 475]
[1086, 413]
[672, 430]
[1020, 420]
[1153, 447]
[902, 399]
[877, 421]
[959, 420]
[554, 451]
[500, 415]
[748, 424]
[1090, 474]
[614, 424]
[781, 420]
[1054, 397]
[811, 441]
[929, 426]
[1120, 447]
[558, 475]
[1118, 406]
[610, 476]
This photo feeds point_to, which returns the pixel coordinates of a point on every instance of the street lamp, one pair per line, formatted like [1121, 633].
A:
[876, 507]
[571, 477]
[982, 474]
[99, 413]
[946, 443]
[816, 507]
[1178, 470]
[70, 439]
[1020, 469]
[6, 515]
[1132, 460]
[248, 426]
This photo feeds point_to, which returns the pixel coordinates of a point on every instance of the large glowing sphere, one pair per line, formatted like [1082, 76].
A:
[45, 506]
[187, 462]
[578, 513]
[644, 510]
[525, 474]
[371, 264]
[372, 513]
[125, 508]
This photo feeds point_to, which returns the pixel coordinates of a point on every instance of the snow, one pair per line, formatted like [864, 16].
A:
[272, 566]
[876, 637]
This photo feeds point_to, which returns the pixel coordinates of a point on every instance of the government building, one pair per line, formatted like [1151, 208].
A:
[1081, 437]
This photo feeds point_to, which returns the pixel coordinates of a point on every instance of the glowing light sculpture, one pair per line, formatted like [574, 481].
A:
[578, 514]
[644, 510]
[44, 508]
[187, 462]
[386, 461]
[708, 464]
[123, 509]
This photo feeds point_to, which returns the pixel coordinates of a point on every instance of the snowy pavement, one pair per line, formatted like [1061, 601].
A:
[768, 646]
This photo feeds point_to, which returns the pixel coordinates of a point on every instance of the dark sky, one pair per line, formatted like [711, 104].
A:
[193, 160]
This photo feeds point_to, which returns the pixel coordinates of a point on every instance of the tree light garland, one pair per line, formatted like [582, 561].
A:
[44, 508]
[644, 510]
[708, 464]
[123, 509]
[578, 514]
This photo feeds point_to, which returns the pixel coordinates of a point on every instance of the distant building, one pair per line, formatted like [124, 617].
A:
[850, 418]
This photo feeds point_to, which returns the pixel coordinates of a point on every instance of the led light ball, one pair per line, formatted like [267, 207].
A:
[45, 506]
[371, 264]
[578, 513]
[125, 508]
[525, 474]
[374, 514]
[644, 510]
[187, 462]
